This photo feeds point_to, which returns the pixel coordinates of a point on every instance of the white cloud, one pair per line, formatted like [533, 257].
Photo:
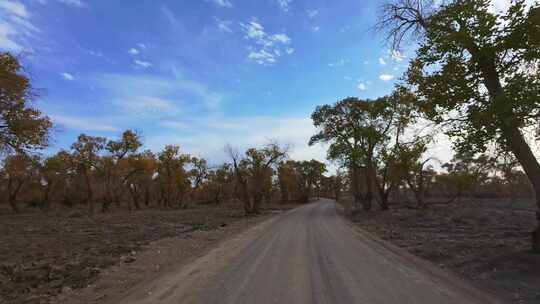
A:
[382, 61]
[283, 38]
[312, 13]
[386, 77]
[223, 25]
[284, 4]
[316, 28]
[67, 76]
[14, 8]
[95, 53]
[142, 63]
[222, 3]
[133, 51]
[254, 30]
[338, 63]
[6, 38]
[347, 78]
[262, 57]
[266, 48]
[84, 123]
[361, 86]
[142, 46]
[75, 3]
[15, 26]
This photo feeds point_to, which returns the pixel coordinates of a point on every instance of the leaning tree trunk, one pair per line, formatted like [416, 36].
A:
[512, 134]
[530, 165]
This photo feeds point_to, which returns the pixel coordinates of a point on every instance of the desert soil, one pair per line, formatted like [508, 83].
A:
[66, 256]
[484, 241]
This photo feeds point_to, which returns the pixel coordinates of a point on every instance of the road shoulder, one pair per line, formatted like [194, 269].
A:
[159, 260]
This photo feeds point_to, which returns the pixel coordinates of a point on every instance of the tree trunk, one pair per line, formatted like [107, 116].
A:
[367, 202]
[511, 133]
[528, 161]
[45, 197]
[256, 208]
[384, 200]
[355, 188]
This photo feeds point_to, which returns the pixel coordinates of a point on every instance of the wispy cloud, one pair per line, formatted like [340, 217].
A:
[266, 48]
[133, 51]
[312, 13]
[142, 63]
[222, 3]
[284, 4]
[361, 86]
[382, 61]
[157, 96]
[14, 8]
[83, 123]
[223, 25]
[338, 63]
[15, 26]
[386, 77]
[67, 76]
[75, 3]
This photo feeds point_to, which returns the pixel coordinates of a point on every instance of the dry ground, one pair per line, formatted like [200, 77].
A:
[42, 255]
[485, 241]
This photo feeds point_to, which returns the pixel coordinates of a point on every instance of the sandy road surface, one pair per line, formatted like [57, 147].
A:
[307, 255]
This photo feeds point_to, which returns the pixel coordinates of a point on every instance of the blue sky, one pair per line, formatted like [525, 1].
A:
[197, 73]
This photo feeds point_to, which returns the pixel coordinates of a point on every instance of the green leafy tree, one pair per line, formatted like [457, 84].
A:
[477, 71]
[355, 129]
[414, 170]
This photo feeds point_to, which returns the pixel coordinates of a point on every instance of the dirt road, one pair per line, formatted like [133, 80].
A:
[307, 255]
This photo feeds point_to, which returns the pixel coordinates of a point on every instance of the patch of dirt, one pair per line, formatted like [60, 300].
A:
[485, 241]
[43, 255]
